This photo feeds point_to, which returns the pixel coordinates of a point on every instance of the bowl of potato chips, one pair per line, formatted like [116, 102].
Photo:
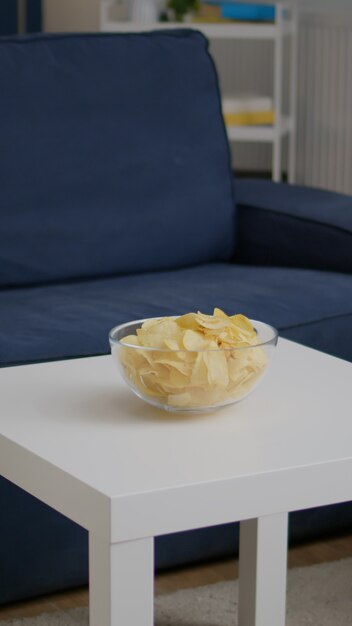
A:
[194, 362]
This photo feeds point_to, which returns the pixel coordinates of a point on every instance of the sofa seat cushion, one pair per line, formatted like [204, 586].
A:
[73, 319]
[114, 156]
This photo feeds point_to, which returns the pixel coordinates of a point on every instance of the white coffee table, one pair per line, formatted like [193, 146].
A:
[74, 436]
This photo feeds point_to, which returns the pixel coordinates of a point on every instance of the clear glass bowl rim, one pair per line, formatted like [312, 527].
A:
[117, 342]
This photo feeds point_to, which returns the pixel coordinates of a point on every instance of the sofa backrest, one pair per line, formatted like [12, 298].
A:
[114, 157]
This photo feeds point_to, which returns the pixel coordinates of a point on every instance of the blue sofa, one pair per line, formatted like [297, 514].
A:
[117, 202]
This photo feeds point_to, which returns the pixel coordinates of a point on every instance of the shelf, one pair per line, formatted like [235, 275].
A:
[237, 30]
[285, 25]
[259, 133]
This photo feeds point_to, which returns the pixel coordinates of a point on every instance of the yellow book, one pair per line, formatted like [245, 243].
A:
[208, 12]
[250, 118]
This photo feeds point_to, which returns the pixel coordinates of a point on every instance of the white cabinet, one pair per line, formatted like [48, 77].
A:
[285, 26]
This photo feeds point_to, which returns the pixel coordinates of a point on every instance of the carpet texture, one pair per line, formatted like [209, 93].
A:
[320, 595]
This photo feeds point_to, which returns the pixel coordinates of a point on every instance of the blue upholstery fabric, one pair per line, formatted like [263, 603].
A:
[293, 226]
[41, 551]
[73, 319]
[114, 157]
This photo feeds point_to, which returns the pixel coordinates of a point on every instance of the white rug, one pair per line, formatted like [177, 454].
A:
[320, 595]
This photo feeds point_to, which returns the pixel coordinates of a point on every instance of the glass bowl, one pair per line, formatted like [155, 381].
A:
[192, 380]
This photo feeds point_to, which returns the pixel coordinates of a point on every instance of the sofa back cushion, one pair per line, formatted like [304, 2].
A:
[114, 157]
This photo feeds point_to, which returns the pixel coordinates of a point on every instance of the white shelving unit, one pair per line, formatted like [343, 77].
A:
[285, 25]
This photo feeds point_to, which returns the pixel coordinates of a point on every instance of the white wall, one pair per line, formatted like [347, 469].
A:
[70, 15]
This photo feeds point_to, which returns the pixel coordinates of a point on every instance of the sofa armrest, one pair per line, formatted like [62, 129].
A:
[293, 226]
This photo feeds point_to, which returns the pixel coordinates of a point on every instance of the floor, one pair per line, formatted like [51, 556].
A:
[309, 554]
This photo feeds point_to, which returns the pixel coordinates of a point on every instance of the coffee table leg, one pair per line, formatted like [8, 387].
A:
[263, 571]
[121, 582]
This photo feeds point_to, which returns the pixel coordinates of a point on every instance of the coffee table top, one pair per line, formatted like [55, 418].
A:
[73, 434]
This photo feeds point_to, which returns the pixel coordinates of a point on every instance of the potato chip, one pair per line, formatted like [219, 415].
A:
[199, 375]
[218, 374]
[195, 360]
[194, 340]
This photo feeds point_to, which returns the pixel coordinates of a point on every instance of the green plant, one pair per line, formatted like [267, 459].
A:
[181, 7]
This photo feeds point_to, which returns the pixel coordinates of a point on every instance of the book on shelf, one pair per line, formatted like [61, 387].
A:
[247, 110]
[208, 13]
[214, 11]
